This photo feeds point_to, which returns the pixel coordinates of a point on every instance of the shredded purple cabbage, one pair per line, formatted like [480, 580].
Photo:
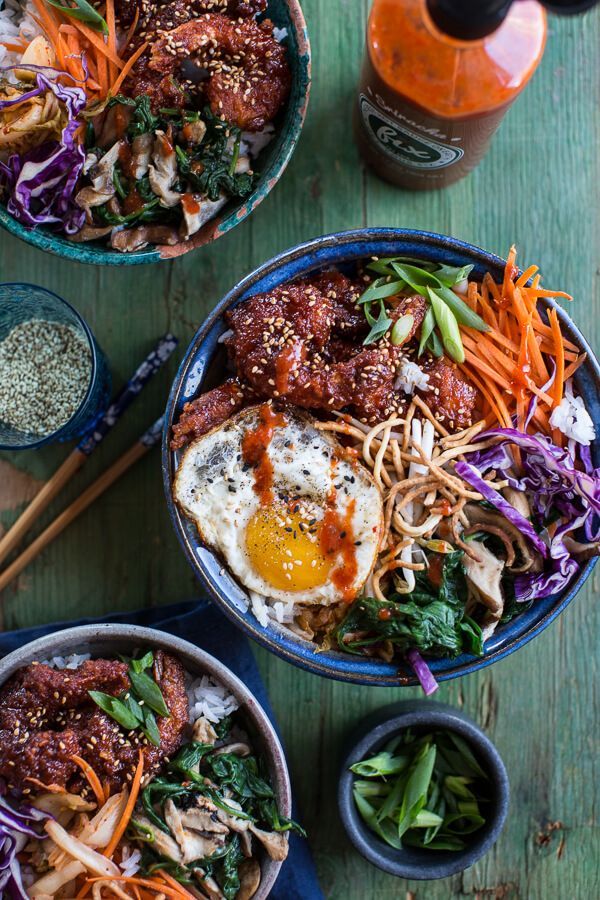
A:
[15, 832]
[422, 671]
[553, 487]
[41, 182]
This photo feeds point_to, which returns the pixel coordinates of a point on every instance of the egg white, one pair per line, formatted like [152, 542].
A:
[215, 488]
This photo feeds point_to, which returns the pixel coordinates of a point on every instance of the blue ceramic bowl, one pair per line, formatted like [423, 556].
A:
[271, 164]
[421, 717]
[202, 368]
[20, 302]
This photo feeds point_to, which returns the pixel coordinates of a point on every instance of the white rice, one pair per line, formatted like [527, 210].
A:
[67, 662]
[210, 699]
[16, 22]
[280, 34]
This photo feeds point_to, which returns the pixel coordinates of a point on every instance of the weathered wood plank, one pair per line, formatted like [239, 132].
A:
[538, 187]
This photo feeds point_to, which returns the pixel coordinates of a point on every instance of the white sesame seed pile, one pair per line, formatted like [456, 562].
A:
[45, 370]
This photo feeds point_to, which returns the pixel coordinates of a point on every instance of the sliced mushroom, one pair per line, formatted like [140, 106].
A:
[193, 132]
[249, 872]
[246, 843]
[485, 576]
[488, 626]
[519, 500]
[162, 842]
[129, 239]
[90, 233]
[233, 822]
[275, 843]
[203, 817]
[500, 534]
[208, 885]
[477, 514]
[203, 732]
[239, 749]
[162, 172]
[582, 551]
[197, 212]
[141, 151]
[101, 176]
[111, 125]
[192, 844]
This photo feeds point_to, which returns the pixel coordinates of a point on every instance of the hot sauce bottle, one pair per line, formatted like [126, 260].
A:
[438, 77]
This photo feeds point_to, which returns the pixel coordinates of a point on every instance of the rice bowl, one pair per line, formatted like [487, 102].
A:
[239, 165]
[213, 691]
[204, 366]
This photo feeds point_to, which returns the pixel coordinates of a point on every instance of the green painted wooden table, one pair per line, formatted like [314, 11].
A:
[537, 187]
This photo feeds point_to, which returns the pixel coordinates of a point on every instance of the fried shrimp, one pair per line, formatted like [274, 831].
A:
[236, 66]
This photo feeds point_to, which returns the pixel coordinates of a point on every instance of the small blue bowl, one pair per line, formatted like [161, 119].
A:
[20, 302]
[421, 717]
[203, 367]
[271, 164]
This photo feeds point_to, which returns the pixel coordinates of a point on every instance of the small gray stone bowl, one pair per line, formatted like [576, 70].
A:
[110, 640]
[421, 716]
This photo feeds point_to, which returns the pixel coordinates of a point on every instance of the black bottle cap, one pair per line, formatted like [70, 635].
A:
[470, 20]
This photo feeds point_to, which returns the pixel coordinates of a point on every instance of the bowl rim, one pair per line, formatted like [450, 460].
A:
[87, 331]
[47, 646]
[380, 726]
[215, 228]
[350, 669]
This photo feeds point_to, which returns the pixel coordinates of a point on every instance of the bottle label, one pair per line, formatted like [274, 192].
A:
[411, 150]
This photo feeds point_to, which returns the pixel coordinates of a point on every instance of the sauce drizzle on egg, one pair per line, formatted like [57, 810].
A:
[255, 451]
[336, 538]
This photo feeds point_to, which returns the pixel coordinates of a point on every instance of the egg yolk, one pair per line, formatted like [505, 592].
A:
[284, 550]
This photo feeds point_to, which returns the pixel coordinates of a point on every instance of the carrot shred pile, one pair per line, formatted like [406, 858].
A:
[513, 362]
[73, 41]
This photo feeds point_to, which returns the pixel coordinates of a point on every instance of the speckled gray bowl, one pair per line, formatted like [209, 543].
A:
[110, 640]
[421, 717]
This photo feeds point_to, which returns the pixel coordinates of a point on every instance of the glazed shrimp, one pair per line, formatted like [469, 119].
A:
[236, 66]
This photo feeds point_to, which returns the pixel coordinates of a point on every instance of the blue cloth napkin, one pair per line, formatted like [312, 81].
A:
[202, 624]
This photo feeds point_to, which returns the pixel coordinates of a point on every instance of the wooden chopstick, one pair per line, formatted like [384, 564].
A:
[144, 372]
[148, 440]
[44, 496]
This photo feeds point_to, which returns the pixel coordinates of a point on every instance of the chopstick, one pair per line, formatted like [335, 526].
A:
[74, 461]
[149, 439]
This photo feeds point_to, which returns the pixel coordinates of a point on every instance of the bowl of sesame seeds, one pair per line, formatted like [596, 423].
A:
[54, 380]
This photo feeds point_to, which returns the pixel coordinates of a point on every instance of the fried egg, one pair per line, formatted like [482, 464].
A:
[293, 516]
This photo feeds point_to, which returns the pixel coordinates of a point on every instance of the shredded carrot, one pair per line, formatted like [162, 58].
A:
[168, 879]
[135, 789]
[106, 788]
[111, 37]
[510, 362]
[132, 28]
[127, 69]
[559, 355]
[98, 43]
[154, 884]
[92, 779]
[16, 48]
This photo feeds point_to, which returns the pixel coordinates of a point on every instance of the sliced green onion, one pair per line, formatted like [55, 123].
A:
[448, 326]
[84, 12]
[402, 328]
